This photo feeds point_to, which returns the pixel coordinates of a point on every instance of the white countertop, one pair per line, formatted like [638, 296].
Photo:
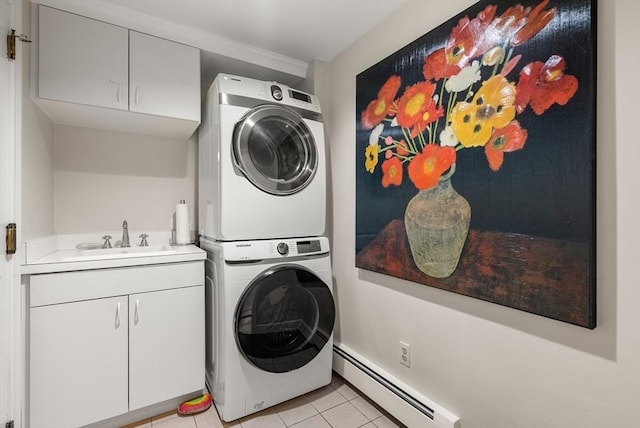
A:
[48, 255]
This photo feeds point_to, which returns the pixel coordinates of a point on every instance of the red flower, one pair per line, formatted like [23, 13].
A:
[536, 21]
[436, 66]
[467, 39]
[508, 139]
[379, 108]
[416, 106]
[426, 168]
[541, 85]
[391, 172]
[505, 25]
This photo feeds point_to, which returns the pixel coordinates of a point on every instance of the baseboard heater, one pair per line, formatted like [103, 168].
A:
[397, 399]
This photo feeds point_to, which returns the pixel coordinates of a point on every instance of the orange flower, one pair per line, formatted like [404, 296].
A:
[508, 139]
[379, 108]
[426, 168]
[391, 172]
[536, 21]
[416, 106]
[542, 85]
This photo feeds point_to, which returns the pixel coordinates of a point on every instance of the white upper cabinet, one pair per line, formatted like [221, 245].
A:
[164, 77]
[82, 60]
[94, 74]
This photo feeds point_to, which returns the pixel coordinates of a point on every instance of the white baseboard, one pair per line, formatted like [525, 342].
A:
[397, 398]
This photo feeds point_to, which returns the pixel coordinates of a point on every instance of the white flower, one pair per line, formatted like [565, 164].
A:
[448, 137]
[467, 77]
[375, 135]
[394, 122]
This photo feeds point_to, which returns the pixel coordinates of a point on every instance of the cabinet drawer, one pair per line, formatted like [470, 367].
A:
[48, 289]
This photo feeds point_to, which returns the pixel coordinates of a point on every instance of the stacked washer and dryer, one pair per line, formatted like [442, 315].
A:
[262, 199]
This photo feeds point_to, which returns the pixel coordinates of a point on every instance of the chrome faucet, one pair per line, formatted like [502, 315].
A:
[125, 235]
[107, 243]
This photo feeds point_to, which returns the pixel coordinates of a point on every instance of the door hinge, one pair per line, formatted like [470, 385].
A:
[11, 43]
[11, 238]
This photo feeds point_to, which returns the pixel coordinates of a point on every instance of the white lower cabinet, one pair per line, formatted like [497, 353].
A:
[79, 370]
[161, 345]
[98, 358]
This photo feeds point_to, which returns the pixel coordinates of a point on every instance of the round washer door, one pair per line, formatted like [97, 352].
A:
[284, 318]
[275, 149]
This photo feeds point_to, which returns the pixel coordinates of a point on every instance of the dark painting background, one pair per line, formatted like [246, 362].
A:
[547, 188]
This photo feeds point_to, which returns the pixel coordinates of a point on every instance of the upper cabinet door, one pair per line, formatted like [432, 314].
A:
[164, 77]
[82, 60]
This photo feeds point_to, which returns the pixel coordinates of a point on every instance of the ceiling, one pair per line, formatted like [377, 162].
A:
[299, 30]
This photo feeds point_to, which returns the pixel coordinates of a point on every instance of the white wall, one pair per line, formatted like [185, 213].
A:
[104, 177]
[491, 365]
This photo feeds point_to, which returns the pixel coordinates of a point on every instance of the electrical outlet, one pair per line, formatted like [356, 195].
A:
[405, 354]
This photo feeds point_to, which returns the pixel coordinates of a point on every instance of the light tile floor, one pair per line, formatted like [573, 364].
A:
[337, 405]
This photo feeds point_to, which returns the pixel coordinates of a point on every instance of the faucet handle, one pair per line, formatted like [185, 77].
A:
[107, 243]
[143, 240]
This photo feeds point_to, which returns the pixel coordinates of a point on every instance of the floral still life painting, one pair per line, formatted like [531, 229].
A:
[476, 158]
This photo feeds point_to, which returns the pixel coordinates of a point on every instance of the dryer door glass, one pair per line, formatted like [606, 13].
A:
[275, 149]
[284, 318]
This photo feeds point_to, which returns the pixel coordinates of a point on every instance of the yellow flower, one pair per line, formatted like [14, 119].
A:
[371, 155]
[491, 108]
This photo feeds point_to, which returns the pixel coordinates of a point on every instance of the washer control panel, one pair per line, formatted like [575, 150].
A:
[274, 248]
[298, 247]
[311, 246]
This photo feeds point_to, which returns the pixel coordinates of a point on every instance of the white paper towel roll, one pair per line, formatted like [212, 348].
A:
[182, 224]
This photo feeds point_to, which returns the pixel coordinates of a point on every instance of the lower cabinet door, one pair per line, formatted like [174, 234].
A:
[166, 345]
[78, 362]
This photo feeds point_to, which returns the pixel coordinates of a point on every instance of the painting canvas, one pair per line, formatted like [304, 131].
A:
[475, 158]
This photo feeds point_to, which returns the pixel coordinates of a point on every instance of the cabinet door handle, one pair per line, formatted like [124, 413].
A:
[118, 87]
[137, 95]
[136, 315]
[118, 315]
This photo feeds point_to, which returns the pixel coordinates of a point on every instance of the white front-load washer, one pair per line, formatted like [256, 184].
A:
[269, 320]
[262, 172]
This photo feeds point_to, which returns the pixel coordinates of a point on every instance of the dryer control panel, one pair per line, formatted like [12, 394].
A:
[258, 90]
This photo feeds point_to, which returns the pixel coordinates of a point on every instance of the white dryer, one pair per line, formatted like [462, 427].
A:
[270, 318]
[262, 172]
